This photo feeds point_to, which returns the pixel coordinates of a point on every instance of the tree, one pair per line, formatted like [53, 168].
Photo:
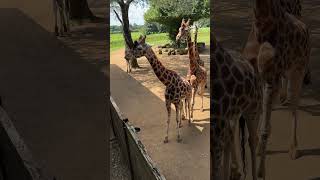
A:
[123, 7]
[170, 13]
[79, 9]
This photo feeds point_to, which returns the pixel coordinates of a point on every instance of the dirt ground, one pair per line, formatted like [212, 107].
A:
[54, 90]
[140, 96]
[237, 15]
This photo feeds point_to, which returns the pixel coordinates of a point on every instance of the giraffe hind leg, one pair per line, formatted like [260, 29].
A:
[168, 106]
[178, 119]
[295, 84]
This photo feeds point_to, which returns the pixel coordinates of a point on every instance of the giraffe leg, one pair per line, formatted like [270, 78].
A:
[283, 92]
[235, 166]
[168, 106]
[55, 17]
[61, 20]
[217, 150]
[185, 108]
[183, 116]
[181, 113]
[226, 161]
[201, 94]
[252, 124]
[307, 77]
[295, 83]
[189, 112]
[67, 3]
[178, 121]
[270, 92]
[193, 101]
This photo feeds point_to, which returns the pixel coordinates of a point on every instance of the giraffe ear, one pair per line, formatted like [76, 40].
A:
[183, 22]
[193, 78]
[135, 44]
[142, 39]
[188, 22]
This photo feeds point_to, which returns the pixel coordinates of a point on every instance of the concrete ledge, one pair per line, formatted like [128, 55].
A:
[17, 162]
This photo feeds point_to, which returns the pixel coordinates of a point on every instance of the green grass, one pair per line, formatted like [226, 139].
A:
[117, 41]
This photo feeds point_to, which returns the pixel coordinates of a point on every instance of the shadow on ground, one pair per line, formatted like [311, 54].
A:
[54, 97]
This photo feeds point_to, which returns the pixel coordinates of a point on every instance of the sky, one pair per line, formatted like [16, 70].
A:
[135, 15]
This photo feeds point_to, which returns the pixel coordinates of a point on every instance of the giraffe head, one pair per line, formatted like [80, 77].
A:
[266, 61]
[266, 14]
[184, 30]
[139, 47]
[191, 79]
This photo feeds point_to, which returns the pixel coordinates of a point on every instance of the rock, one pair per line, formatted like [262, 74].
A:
[166, 50]
[160, 51]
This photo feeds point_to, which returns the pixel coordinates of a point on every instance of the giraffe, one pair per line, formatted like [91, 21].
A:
[199, 80]
[61, 7]
[280, 42]
[236, 97]
[177, 88]
[293, 7]
[128, 57]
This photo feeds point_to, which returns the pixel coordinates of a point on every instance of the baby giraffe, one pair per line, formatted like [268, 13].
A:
[177, 88]
[197, 74]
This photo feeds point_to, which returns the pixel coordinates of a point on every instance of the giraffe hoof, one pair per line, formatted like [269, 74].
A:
[260, 174]
[180, 125]
[201, 110]
[235, 175]
[294, 153]
[179, 139]
[166, 140]
[183, 117]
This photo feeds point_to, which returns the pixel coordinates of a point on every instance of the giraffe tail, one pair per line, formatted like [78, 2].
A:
[242, 124]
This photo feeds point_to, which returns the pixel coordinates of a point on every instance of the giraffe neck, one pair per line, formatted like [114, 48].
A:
[191, 50]
[269, 9]
[161, 72]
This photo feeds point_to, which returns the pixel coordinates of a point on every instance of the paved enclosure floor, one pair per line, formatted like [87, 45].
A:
[140, 97]
[231, 15]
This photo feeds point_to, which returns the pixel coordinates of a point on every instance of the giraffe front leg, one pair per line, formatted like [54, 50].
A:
[265, 127]
[168, 103]
[226, 159]
[183, 116]
[216, 151]
[252, 122]
[55, 18]
[201, 94]
[193, 101]
[295, 84]
[283, 92]
[235, 166]
[178, 112]
[189, 113]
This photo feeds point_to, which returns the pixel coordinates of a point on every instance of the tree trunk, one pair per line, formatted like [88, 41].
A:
[126, 30]
[79, 9]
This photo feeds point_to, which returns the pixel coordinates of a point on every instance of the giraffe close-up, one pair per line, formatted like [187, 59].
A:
[236, 98]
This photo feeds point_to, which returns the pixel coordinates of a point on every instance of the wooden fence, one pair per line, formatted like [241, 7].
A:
[16, 162]
[134, 153]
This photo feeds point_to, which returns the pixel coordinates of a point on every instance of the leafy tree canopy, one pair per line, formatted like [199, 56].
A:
[170, 13]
